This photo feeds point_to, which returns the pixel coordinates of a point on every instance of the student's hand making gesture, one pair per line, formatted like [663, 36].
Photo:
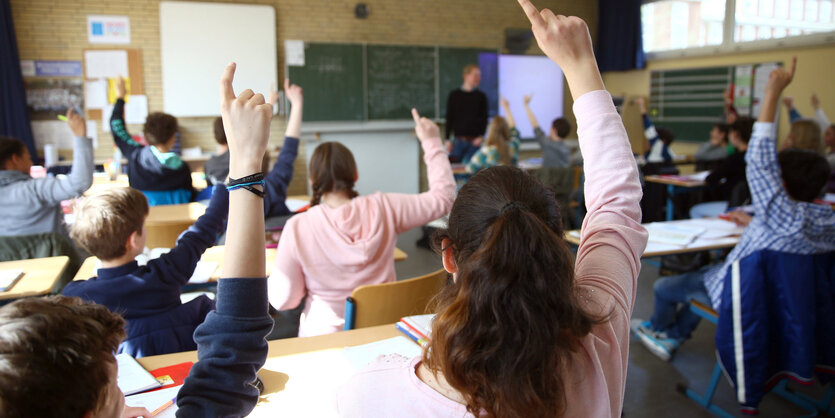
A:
[527, 99]
[121, 90]
[425, 129]
[567, 42]
[642, 105]
[777, 82]
[246, 120]
[295, 95]
[788, 101]
[816, 103]
[76, 124]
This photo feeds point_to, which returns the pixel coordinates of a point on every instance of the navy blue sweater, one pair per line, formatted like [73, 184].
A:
[145, 171]
[231, 347]
[139, 293]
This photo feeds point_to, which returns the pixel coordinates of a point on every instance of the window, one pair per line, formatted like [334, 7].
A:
[717, 25]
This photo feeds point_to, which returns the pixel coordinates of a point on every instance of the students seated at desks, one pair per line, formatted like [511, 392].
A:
[717, 148]
[278, 179]
[658, 139]
[111, 226]
[782, 188]
[345, 240]
[729, 177]
[524, 331]
[155, 170]
[57, 352]
[555, 154]
[501, 145]
[33, 206]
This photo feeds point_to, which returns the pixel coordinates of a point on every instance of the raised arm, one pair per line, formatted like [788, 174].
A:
[531, 117]
[509, 115]
[820, 116]
[412, 210]
[121, 136]
[612, 228]
[761, 167]
[278, 179]
[231, 343]
[54, 190]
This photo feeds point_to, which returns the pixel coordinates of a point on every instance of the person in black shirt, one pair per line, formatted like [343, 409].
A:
[466, 116]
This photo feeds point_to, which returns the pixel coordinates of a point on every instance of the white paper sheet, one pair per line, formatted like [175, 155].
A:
[153, 400]
[106, 64]
[52, 132]
[295, 204]
[136, 109]
[93, 133]
[294, 52]
[362, 355]
[132, 377]
[95, 94]
[203, 271]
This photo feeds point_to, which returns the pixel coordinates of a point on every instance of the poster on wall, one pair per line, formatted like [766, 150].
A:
[46, 98]
[108, 29]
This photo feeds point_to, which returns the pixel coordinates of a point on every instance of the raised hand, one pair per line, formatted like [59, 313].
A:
[273, 97]
[294, 93]
[425, 128]
[788, 101]
[527, 99]
[121, 90]
[780, 78]
[642, 105]
[246, 120]
[503, 101]
[567, 42]
[816, 103]
[76, 123]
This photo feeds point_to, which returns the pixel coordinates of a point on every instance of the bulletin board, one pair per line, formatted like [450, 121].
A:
[92, 58]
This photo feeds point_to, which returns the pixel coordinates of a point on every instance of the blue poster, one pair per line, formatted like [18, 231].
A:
[58, 69]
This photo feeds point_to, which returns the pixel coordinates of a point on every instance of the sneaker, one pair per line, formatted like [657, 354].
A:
[657, 342]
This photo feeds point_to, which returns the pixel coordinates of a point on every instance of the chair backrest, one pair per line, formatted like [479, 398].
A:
[386, 303]
[167, 197]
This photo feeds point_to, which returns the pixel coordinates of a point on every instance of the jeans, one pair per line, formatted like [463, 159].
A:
[672, 295]
[462, 150]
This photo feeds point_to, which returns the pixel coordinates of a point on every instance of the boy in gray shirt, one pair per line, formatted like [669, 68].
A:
[555, 154]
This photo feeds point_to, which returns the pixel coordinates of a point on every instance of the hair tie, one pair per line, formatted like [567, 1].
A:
[513, 205]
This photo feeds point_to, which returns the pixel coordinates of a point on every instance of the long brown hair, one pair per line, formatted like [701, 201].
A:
[806, 134]
[505, 329]
[332, 169]
[498, 135]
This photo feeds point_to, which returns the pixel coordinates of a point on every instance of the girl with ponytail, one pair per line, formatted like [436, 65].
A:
[345, 240]
[525, 330]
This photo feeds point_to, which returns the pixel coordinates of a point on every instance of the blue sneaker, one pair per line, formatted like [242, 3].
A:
[657, 342]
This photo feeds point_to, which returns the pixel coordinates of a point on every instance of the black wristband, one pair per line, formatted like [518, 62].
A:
[246, 179]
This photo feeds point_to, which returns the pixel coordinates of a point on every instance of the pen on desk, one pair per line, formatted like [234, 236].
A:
[163, 407]
[62, 118]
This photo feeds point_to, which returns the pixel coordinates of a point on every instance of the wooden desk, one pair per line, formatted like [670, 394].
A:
[40, 275]
[301, 375]
[102, 183]
[672, 183]
[88, 268]
[657, 249]
[166, 222]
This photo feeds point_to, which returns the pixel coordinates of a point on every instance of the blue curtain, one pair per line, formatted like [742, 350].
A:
[14, 118]
[619, 43]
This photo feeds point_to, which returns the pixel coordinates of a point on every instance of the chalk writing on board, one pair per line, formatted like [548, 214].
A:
[400, 78]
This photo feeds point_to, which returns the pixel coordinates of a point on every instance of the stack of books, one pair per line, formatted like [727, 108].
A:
[417, 327]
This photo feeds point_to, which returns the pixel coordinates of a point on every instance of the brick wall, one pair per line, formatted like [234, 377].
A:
[56, 30]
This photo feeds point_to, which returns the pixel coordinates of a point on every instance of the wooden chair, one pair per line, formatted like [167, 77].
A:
[386, 303]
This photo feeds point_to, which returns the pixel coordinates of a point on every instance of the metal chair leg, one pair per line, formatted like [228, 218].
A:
[706, 400]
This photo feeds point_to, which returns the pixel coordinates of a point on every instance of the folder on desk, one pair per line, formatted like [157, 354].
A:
[8, 278]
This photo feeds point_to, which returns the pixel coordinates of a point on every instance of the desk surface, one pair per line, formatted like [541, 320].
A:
[675, 181]
[301, 374]
[186, 213]
[655, 249]
[102, 183]
[39, 276]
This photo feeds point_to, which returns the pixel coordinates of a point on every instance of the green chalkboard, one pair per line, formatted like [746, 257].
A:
[332, 79]
[689, 102]
[400, 78]
[451, 61]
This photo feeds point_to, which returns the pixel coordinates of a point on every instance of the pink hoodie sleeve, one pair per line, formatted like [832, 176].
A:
[286, 286]
[612, 238]
[412, 210]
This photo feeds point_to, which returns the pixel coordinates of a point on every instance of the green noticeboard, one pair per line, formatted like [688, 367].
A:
[400, 78]
[689, 102]
[332, 79]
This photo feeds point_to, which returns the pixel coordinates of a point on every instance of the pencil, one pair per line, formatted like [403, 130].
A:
[163, 407]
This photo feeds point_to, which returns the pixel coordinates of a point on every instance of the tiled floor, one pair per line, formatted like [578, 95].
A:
[651, 383]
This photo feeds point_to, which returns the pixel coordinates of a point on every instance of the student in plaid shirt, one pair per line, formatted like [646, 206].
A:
[785, 219]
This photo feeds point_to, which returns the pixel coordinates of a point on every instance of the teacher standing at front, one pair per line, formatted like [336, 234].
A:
[466, 116]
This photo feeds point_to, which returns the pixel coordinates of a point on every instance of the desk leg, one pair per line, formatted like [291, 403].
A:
[670, 191]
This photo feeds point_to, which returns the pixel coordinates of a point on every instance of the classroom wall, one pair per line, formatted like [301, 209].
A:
[814, 74]
[56, 30]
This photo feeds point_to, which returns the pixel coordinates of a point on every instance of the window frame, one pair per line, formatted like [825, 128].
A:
[729, 46]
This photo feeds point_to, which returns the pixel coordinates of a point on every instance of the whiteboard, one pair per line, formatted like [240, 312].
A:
[197, 40]
[521, 75]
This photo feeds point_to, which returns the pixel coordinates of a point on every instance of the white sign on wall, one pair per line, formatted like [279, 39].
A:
[108, 29]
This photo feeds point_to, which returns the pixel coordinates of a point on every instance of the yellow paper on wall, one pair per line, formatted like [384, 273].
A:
[111, 90]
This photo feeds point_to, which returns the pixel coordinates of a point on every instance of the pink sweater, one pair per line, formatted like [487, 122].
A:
[326, 252]
[608, 263]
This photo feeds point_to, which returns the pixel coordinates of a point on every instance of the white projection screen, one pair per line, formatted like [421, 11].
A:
[521, 75]
[197, 40]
